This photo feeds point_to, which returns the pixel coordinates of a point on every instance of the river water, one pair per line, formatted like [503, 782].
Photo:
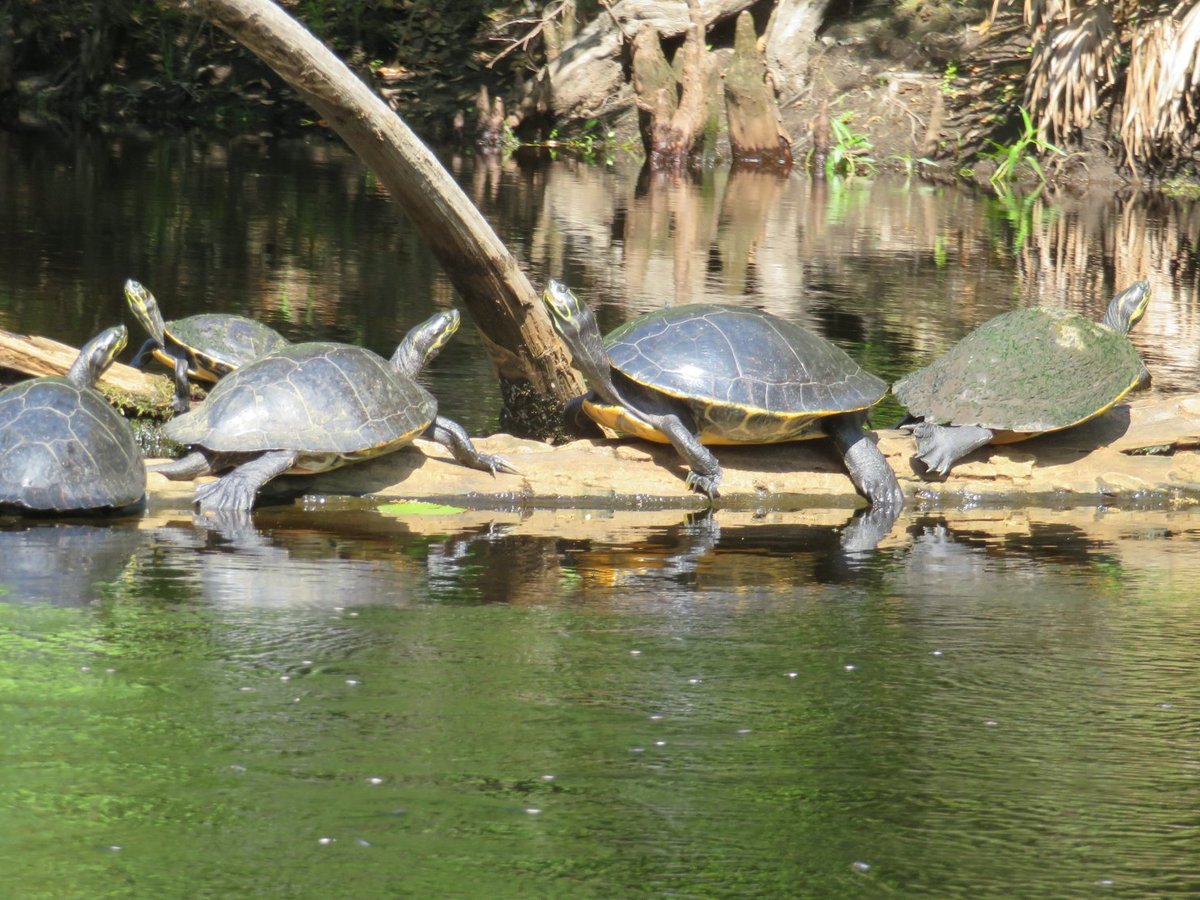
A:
[347, 700]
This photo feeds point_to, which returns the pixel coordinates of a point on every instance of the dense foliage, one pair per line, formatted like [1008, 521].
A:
[151, 61]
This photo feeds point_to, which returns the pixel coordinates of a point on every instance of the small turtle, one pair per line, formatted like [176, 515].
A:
[205, 347]
[312, 407]
[1021, 374]
[63, 448]
[708, 374]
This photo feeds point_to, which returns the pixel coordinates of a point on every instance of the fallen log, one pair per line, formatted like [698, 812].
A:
[1143, 453]
[131, 389]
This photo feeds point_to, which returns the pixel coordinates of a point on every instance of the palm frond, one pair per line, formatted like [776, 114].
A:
[1163, 75]
[1070, 69]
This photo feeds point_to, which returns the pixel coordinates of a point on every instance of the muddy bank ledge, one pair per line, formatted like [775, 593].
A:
[1146, 451]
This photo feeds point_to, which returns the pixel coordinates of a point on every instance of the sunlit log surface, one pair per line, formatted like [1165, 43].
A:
[1144, 453]
[37, 356]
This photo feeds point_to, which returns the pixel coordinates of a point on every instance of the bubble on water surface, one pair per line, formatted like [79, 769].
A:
[695, 681]
[935, 652]
[990, 723]
[859, 866]
[849, 667]
[325, 841]
[362, 842]
[793, 674]
[547, 778]
[1105, 882]
[635, 652]
[374, 779]
[744, 730]
[352, 681]
[532, 810]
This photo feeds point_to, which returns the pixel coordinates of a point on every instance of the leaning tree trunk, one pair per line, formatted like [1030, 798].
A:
[528, 355]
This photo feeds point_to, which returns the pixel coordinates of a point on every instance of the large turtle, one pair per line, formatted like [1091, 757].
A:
[204, 347]
[708, 374]
[1021, 374]
[312, 407]
[63, 448]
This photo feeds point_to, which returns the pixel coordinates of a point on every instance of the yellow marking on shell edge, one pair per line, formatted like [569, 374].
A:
[1012, 437]
[169, 361]
[622, 421]
[755, 410]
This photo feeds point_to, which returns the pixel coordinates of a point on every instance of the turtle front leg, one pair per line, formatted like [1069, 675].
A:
[454, 438]
[185, 468]
[237, 488]
[182, 400]
[868, 468]
[139, 358]
[705, 472]
[941, 446]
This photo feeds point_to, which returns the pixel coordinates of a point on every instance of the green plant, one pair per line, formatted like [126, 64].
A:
[948, 76]
[1010, 158]
[850, 152]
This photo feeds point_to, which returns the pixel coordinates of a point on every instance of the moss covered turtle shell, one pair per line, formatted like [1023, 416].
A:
[316, 397]
[64, 449]
[1029, 370]
[740, 364]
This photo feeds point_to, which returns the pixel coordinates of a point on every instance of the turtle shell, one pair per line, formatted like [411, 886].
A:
[1025, 371]
[747, 376]
[221, 343]
[315, 398]
[64, 449]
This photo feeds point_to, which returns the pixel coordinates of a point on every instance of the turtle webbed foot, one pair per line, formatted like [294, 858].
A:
[939, 447]
[229, 492]
[238, 488]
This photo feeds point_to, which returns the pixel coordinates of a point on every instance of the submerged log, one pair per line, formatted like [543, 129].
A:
[130, 388]
[1145, 452]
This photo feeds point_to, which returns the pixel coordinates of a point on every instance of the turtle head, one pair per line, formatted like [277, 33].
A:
[1127, 307]
[425, 341]
[145, 309]
[97, 355]
[577, 326]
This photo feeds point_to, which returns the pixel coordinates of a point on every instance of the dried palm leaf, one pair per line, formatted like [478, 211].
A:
[1164, 73]
[1070, 70]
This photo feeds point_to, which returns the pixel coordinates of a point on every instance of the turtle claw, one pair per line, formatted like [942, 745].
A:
[704, 484]
[498, 464]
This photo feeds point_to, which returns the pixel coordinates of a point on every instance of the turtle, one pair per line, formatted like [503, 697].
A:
[205, 347]
[310, 407]
[63, 448]
[709, 374]
[1023, 373]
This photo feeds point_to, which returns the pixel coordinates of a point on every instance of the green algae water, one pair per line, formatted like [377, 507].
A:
[341, 710]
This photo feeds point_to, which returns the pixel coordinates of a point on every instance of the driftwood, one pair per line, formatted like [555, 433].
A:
[1142, 453]
[587, 78]
[128, 387]
[505, 306]
[756, 132]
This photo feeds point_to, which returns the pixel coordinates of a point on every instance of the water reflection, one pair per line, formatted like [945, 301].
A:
[295, 233]
[62, 563]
